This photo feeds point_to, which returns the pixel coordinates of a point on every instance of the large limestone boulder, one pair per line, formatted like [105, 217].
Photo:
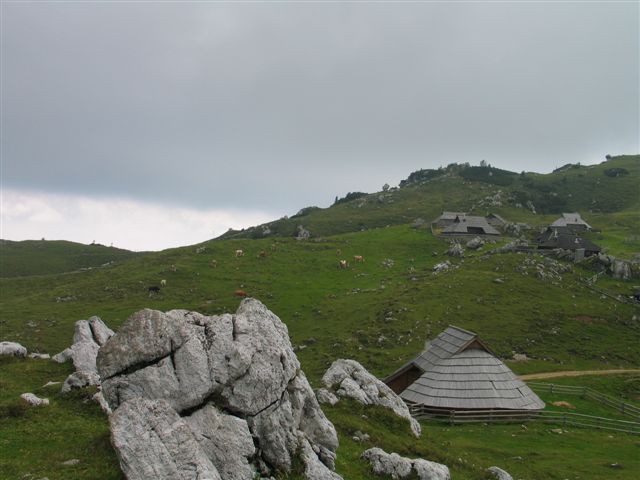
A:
[153, 441]
[88, 337]
[397, 467]
[347, 378]
[12, 349]
[234, 380]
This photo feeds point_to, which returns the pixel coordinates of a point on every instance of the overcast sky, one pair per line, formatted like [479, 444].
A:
[149, 125]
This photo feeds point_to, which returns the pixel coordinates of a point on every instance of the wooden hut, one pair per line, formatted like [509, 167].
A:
[470, 225]
[566, 239]
[458, 371]
[571, 220]
[446, 219]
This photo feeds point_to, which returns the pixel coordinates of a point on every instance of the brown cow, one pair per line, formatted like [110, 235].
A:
[358, 258]
[240, 293]
[343, 264]
[338, 252]
[262, 254]
[239, 253]
[214, 264]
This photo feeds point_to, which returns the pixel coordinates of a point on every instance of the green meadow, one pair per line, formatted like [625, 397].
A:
[379, 312]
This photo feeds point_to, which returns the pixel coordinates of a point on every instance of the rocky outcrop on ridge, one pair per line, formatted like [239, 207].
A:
[212, 397]
[347, 378]
[88, 337]
[392, 464]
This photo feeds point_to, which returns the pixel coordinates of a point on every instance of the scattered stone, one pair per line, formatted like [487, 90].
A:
[12, 349]
[72, 462]
[88, 337]
[40, 356]
[520, 357]
[49, 384]
[455, 250]
[556, 430]
[358, 436]
[387, 263]
[475, 243]
[325, 396]
[224, 394]
[32, 399]
[351, 380]
[499, 473]
[98, 397]
[442, 266]
[397, 467]
[302, 233]
[498, 280]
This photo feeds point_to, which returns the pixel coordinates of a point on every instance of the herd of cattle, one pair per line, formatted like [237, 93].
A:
[155, 289]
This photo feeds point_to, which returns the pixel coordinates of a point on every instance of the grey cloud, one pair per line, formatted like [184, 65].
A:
[285, 105]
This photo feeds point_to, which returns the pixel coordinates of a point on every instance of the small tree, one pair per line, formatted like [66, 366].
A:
[385, 187]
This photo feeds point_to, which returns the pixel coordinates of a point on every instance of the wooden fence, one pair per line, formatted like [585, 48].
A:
[563, 419]
[584, 392]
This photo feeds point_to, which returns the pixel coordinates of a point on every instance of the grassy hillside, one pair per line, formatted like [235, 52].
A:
[595, 191]
[379, 312]
[40, 257]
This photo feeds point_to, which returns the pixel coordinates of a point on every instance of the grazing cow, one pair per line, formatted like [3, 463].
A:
[358, 258]
[240, 293]
[338, 252]
[262, 254]
[153, 290]
[214, 264]
[343, 264]
[163, 283]
[173, 268]
[239, 253]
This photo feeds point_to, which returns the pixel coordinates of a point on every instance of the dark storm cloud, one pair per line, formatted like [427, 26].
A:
[283, 105]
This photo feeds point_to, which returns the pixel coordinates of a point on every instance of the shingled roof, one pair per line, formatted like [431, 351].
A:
[565, 238]
[571, 220]
[460, 372]
[470, 225]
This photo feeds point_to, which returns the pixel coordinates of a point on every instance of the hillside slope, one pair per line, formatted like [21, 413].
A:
[43, 257]
[596, 191]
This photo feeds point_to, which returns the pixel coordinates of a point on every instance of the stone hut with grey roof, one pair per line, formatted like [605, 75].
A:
[458, 371]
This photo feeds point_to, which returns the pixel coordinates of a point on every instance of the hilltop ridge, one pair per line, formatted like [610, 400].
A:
[609, 187]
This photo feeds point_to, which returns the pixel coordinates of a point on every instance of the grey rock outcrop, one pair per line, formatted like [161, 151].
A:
[153, 441]
[12, 349]
[397, 467]
[621, 269]
[455, 250]
[499, 473]
[88, 337]
[325, 396]
[34, 400]
[351, 380]
[233, 380]
[302, 233]
[475, 243]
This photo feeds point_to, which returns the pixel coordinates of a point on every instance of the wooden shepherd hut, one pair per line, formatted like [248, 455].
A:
[458, 371]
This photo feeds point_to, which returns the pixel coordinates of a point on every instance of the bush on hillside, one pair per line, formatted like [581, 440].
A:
[421, 176]
[349, 197]
[616, 172]
[305, 211]
[488, 174]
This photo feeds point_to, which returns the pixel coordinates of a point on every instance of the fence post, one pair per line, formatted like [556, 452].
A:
[551, 388]
[452, 416]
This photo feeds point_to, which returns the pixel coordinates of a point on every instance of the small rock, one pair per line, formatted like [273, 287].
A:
[32, 399]
[73, 461]
[12, 349]
[325, 396]
[499, 473]
[40, 356]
